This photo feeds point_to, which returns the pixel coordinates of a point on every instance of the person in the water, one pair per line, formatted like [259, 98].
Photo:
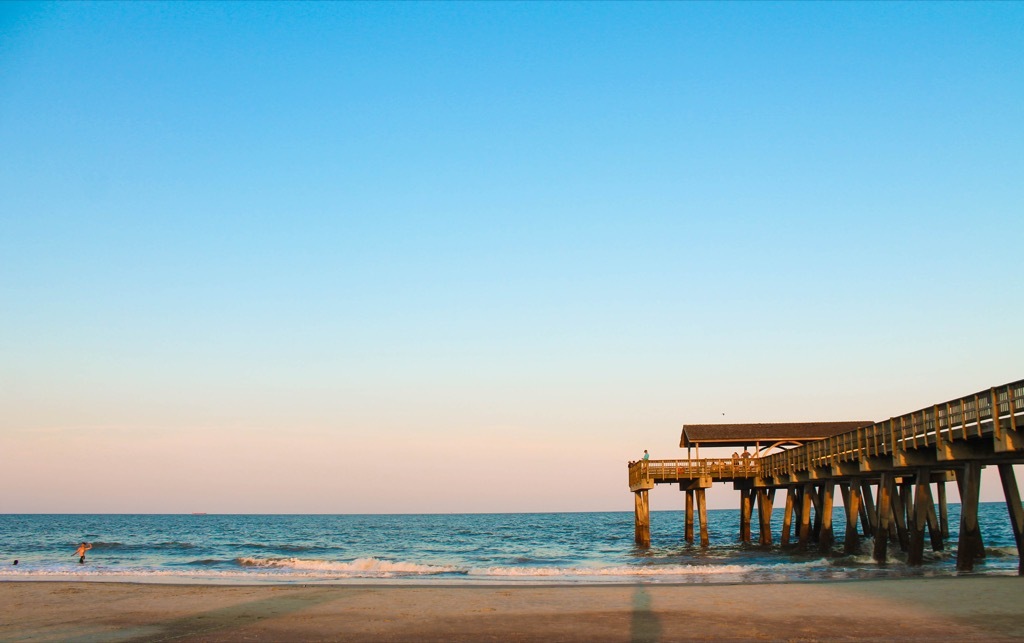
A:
[80, 552]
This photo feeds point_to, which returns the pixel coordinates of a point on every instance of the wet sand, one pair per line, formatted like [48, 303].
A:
[936, 609]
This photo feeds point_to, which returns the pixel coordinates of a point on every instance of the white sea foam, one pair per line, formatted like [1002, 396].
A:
[360, 566]
[643, 570]
[376, 568]
[623, 570]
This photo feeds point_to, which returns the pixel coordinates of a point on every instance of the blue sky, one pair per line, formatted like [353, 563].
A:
[502, 235]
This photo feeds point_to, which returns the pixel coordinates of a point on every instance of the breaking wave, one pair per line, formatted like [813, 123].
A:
[358, 567]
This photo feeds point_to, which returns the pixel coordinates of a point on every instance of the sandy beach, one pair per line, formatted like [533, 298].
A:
[964, 609]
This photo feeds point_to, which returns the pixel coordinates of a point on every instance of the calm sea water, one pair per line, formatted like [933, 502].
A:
[584, 548]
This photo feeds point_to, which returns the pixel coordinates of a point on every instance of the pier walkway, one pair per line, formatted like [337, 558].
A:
[884, 470]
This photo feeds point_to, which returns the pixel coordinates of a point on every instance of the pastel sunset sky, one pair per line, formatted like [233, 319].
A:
[372, 257]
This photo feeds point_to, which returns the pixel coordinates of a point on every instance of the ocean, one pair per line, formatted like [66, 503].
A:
[526, 548]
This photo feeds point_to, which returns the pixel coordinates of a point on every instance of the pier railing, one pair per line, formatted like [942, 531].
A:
[994, 414]
[653, 471]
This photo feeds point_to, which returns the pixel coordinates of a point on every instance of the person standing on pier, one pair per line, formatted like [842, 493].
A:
[647, 456]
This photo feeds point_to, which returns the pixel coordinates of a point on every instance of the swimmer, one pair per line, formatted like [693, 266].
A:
[84, 547]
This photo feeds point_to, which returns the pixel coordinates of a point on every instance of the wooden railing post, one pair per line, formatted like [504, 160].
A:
[1011, 404]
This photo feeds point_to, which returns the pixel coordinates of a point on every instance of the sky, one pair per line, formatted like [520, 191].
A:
[474, 257]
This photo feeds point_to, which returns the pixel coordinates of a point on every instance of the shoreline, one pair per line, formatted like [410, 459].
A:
[178, 581]
[970, 607]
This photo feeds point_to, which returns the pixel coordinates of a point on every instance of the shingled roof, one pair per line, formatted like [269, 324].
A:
[738, 435]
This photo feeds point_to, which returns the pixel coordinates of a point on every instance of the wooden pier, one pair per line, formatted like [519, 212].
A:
[885, 472]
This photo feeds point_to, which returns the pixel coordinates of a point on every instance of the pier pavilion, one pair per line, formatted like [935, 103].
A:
[884, 470]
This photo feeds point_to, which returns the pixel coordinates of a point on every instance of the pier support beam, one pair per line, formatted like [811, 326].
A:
[825, 535]
[934, 530]
[746, 508]
[689, 516]
[765, 499]
[918, 517]
[805, 515]
[798, 506]
[642, 518]
[787, 515]
[871, 515]
[702, 509]
[884, 514]
[1012, 494]
[971, 546]
[853, 507]
[943, 510]
[899, 514]
[816, 501]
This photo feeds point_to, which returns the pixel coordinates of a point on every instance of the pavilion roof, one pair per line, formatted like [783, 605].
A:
[742, 435]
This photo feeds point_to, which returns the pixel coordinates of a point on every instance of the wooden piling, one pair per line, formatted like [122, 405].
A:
[642, 518]
[805, 515]
[825, 535]
[865, 520]
[689, 516]
[934, 530]
[1012, 495]
[980, 544]
[853, 507]
[746, 507]
[899, 515]
[787, 516]
[970, 546]
[798, 506]
[816, 502]
[907, 500]
[870, 512]
[702, 509]
[765, 499]
[943, 510]
[918, 517]
[883, 516]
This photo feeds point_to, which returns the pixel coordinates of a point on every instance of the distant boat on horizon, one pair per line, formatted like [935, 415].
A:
[198, 513]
